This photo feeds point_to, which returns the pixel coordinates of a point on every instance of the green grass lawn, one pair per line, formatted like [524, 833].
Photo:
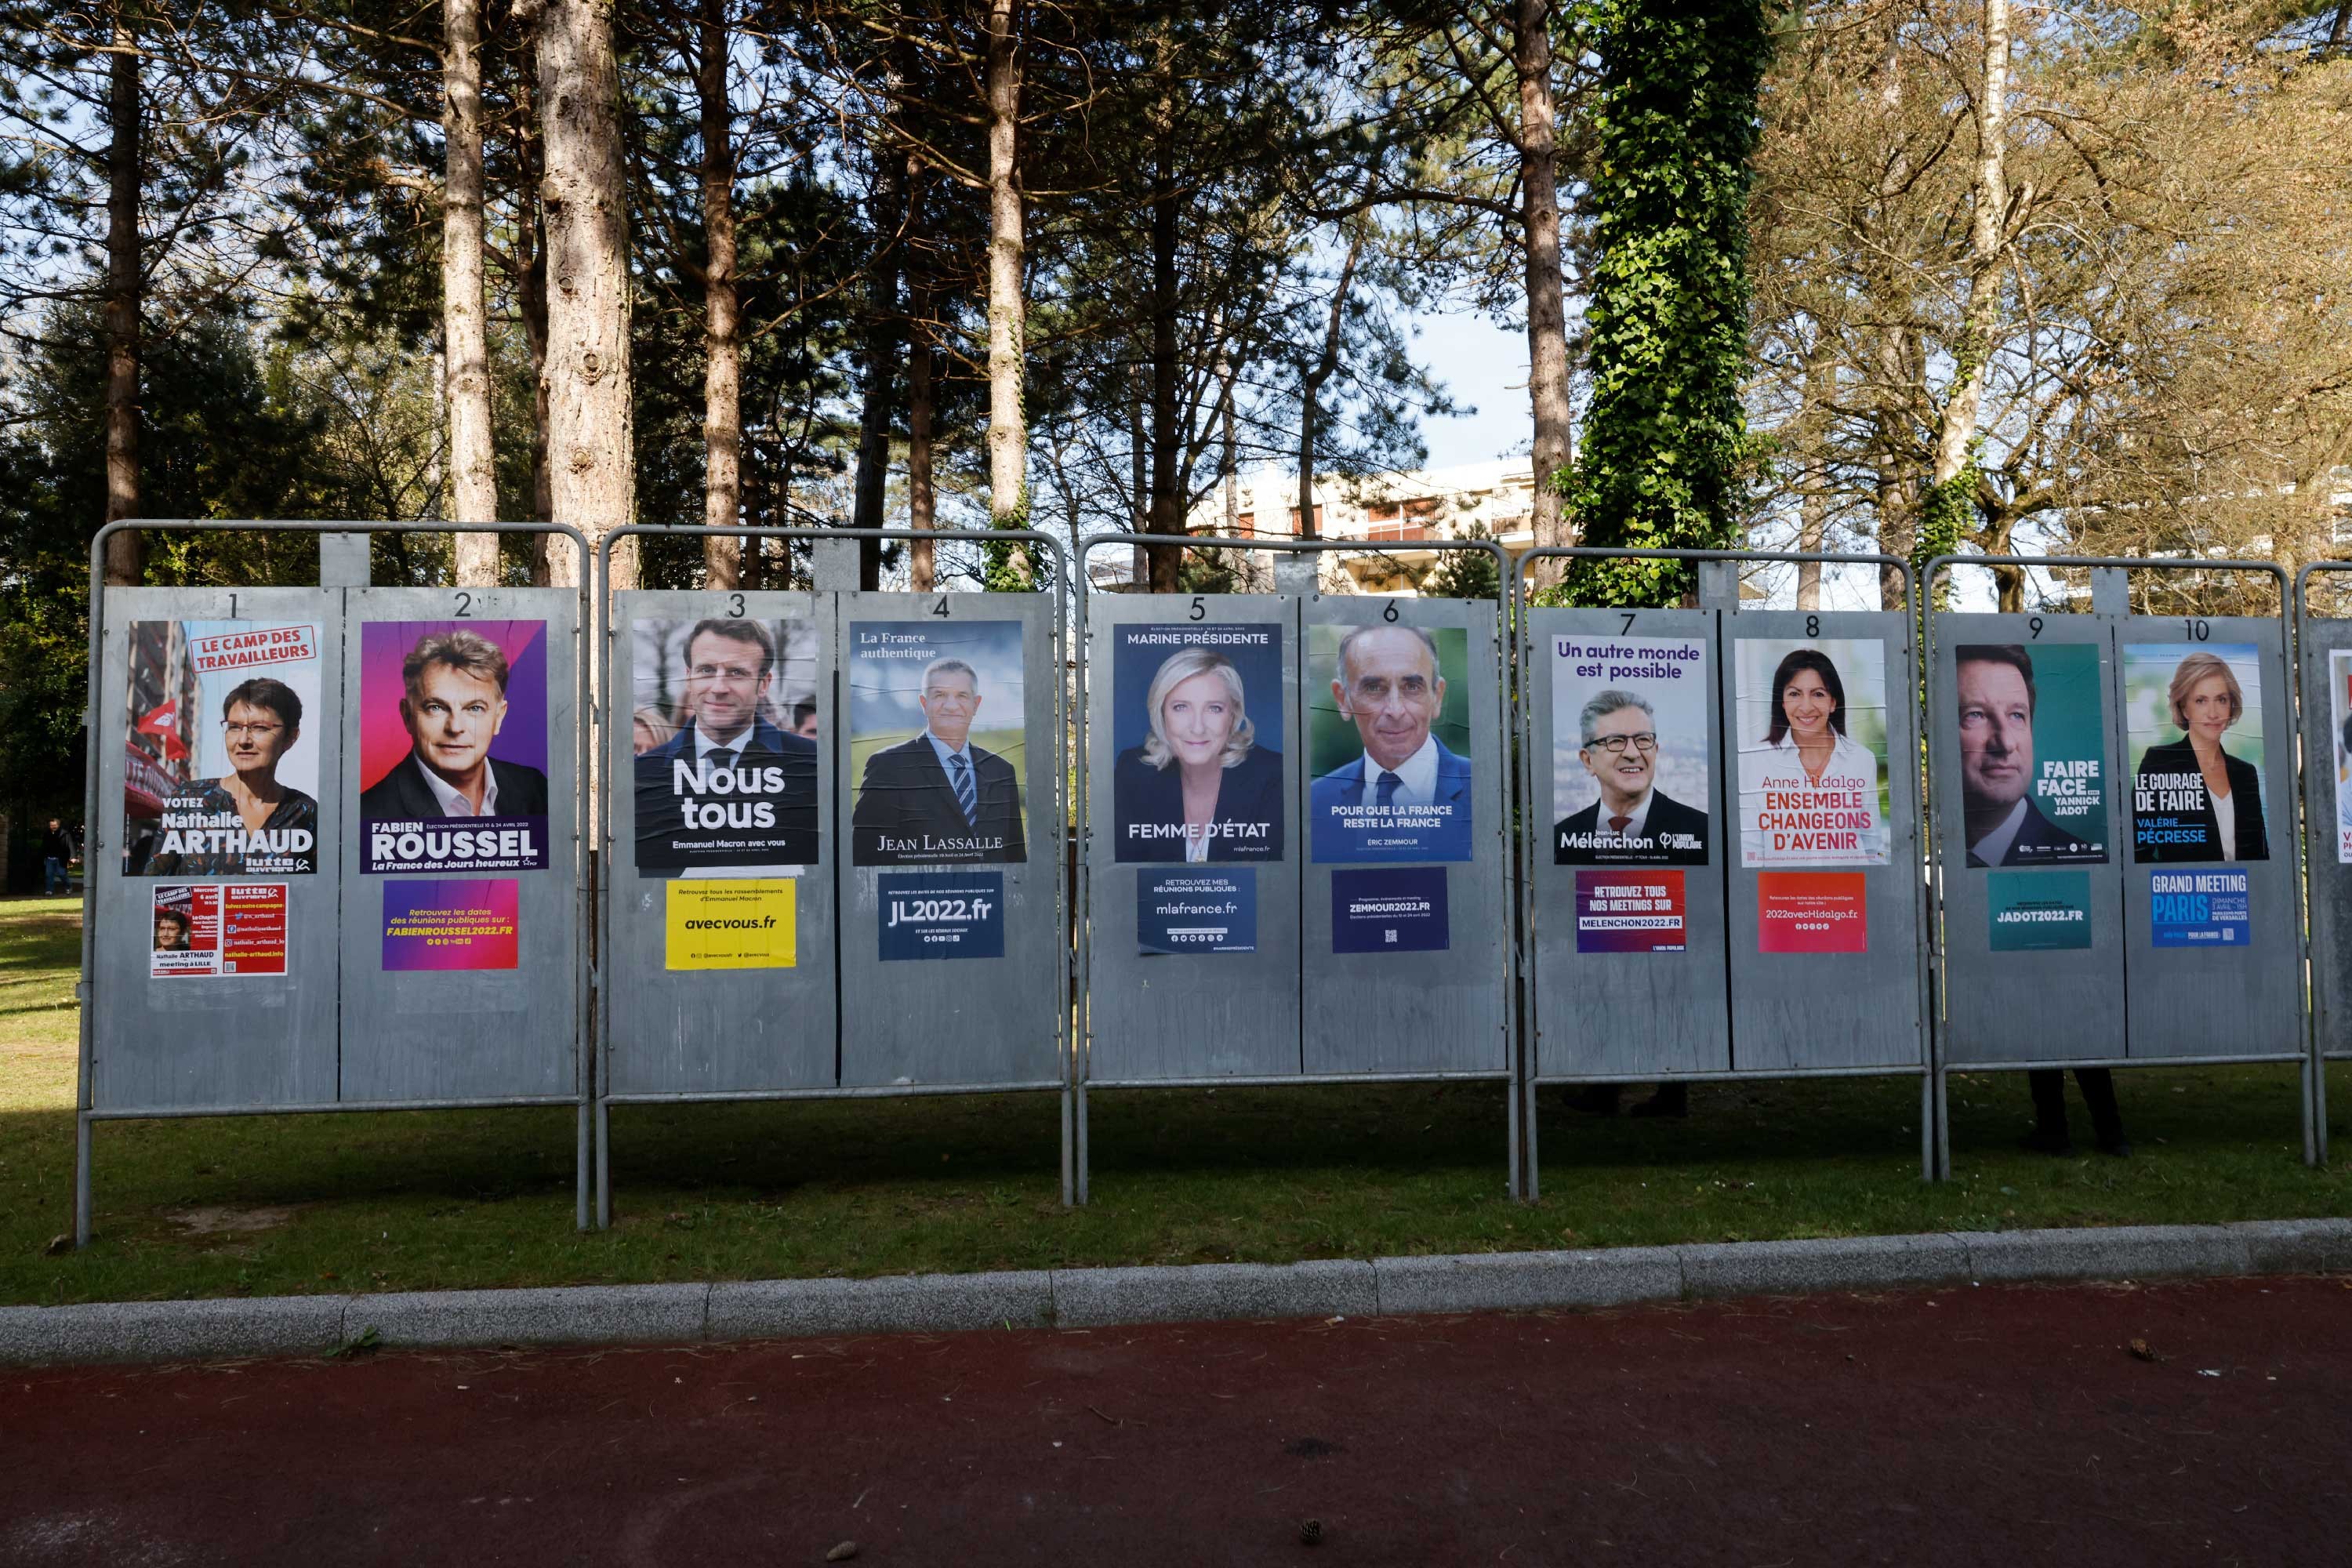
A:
[421, 1200]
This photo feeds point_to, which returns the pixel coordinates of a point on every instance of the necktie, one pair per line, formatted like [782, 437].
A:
[1389, 784]
[722, 757]
[1617, 824]
[966, 797]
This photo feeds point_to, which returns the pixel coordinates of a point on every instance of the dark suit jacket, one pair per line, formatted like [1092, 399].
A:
[1249, 793]
[2041, 841]
[1346, 788]
[2245, 804]
[1669, 820]
[661, 826]
[906, 798]
[401, 795]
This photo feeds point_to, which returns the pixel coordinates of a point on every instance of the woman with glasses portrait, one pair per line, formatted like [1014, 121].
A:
[244, 822]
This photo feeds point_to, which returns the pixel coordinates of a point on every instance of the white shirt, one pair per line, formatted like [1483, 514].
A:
[452, 802]
[703, 745]
[945, 751]
[2225, 818]
[1993, 848]
[1764, 767]
[1418, 772]
[1606, 826]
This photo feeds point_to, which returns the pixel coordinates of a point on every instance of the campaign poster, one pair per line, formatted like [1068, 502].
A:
[2199, 909]
[725, 719]
[2339, 687]
[2193, 733]
[1630, 912]
[2038, 912]
[1630, 757]
[1811, 721]
[1391, 909]
[2033, 778]
[452, 923]
[452, 746]
[937, 743]
[219, 929]
[1388, 715]
[1196, 911]
[942, 914]
[1813, 911]
[220, 770]
[1196, 721]
[734, 923]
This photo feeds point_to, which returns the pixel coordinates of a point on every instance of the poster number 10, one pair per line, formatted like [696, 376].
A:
[2196, 630]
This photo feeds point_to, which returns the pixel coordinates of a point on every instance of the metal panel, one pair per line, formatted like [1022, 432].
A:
[1203, 1015]
[1822, 1008]
[2233, 999]
[2000, 1006]
[934, 1023]
[1440, 1008]
[2327, 816]
[482, 1033]
[189, 1043]
[1632, 1013]
[719, 1030]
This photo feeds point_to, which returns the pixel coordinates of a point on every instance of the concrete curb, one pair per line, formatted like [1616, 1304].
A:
[1102, 1298]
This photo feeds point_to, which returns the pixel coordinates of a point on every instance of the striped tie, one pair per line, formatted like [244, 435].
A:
[966, 797]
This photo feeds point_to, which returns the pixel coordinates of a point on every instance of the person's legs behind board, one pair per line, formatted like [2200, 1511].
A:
[2049, 1135]
[2098, 1086]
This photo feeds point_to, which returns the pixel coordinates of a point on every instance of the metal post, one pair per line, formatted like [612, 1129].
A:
[82, 1173]
[343, 561]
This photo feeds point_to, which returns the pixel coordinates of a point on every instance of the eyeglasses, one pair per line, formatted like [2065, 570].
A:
[1645, 742]
[258, 732]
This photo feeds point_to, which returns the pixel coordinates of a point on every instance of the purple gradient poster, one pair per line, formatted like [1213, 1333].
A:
[469, 923]
[453, 745]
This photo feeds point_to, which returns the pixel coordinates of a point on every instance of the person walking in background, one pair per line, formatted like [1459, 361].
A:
[56, 859]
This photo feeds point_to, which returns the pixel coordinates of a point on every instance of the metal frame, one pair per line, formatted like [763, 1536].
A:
[1513, 1035]
[95, 820]
[2315, 1139]
[602, 1034]
[2290, 628]
[1930, 1102]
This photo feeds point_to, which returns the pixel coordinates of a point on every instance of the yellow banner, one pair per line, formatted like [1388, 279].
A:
[723, 924]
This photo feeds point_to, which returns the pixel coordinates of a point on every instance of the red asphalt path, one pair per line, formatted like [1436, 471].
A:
[1993, 1425]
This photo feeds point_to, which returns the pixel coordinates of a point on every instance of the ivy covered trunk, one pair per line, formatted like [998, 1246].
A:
[1666, 437]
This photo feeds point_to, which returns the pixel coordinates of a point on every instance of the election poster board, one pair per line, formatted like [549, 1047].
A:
[214, 878]
[2212, 911]
[1192, 849]
[953, 957]
[1825, 896]
[723, 910]
[1627, 971]
[1404, 897]
[462, 958]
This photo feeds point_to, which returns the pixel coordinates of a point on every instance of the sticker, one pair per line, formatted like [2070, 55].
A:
[942, 914]
[2038, 912]
[1630, 912]
[456, 923]
[1196, 911]
[453, 747]
[219, 929]
[1400, 911]
[1388, 709]
[2199, 909]
[732, 923]
[1812, 911]
[724, 735]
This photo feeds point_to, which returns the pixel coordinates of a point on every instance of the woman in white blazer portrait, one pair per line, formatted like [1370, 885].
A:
[1805, 748]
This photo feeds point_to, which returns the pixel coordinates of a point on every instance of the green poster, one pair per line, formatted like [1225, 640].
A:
[2038, 912]
[2034, 772]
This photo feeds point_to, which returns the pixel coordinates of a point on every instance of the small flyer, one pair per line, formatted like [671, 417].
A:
[732, 923]
[1196, 911]
[219, 929]
[1388, 910]
[2038, 912]
[2199, 909]
[1630, 912]
[452, 923]
[1812, 911]
[942, 914]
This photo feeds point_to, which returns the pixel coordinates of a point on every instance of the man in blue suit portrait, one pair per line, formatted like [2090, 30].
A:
[730, 788]
[1404, 796]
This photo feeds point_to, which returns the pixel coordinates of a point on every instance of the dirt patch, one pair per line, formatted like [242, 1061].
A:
[221, 1221]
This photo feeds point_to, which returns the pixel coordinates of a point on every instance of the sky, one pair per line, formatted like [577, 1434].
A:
[1483, 367]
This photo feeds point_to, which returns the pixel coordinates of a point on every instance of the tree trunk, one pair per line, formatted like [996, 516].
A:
[531, 300]
[1229, 449]
[1310, 388]
[1895, 483]
[465, 311]
[1167, 512]
[1988, 239]
[722, 348]
[2342, 28]
[1547, 305]
[922, 503]
[885, 340]
[1812, 521]
[585, 194]
[1008, 435]
[125, 552]
[1139, 475]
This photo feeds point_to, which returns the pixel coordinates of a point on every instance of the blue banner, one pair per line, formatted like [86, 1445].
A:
[1196, 911]
[942, 914]
[1400, 911]
[2199, 909]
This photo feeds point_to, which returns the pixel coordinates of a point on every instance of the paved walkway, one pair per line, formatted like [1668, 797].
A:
[2001, 1426]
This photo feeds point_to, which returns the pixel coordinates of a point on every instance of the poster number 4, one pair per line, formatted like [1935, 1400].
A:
[941, 609]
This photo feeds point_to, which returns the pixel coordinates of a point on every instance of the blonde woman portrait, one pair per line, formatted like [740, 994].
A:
[1199, 787]
[2191, 800]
